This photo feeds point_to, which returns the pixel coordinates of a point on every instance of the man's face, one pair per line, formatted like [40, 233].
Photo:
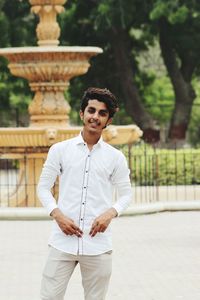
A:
[95, 116]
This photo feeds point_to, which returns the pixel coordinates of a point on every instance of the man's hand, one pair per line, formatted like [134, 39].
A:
[101, 223]
[66, 224]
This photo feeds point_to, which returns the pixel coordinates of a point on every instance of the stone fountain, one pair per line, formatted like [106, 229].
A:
[48, 68]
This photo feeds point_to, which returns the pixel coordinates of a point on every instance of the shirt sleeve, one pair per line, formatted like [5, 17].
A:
[51, 169]
[121, 181]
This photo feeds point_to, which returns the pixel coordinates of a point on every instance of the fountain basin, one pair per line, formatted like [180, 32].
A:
[44, 137]
[49, 64]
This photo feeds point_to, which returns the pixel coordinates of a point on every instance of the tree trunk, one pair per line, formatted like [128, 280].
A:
[133, 101]
[181, 81]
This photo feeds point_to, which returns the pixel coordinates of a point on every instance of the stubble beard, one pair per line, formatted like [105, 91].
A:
[97, 129]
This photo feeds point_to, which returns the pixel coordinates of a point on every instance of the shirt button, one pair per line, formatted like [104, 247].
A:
[84, 187]
[86, 171]
[81, 219]
[83, 203]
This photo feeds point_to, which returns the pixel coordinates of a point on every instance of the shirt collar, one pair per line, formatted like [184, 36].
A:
[80, 140]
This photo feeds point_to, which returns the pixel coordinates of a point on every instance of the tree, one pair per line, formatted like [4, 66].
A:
[178, 24]
[175, 23]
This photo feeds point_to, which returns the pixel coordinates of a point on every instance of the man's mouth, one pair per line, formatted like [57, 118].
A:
[94, 123]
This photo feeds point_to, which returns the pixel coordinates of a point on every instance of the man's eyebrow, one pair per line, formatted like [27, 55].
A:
[101, 110]
[104, 110]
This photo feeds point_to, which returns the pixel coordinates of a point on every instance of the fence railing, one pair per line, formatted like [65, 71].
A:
[156, 175]
[163, 174]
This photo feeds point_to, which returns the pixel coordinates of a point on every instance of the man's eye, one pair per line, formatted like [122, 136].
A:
[91, 110]
[103, 113]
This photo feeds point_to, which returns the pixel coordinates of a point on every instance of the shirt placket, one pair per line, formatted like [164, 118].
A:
[84, 199]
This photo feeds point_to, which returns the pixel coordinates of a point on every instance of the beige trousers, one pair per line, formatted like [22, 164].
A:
[95, 271]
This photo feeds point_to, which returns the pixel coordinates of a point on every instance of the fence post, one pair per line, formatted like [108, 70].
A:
[130, 160]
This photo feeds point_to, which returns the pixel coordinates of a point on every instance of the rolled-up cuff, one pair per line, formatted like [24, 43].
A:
[118, 209]
[51, 207]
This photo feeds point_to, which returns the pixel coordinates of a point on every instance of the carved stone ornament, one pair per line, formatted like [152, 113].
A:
[48, 30]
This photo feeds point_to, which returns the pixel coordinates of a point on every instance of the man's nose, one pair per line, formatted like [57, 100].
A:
[96, 115]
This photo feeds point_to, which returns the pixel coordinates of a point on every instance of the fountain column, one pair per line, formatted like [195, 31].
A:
[49, 105]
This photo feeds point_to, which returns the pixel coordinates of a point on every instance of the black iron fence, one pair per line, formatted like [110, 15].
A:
[156, 175]
[163, 174]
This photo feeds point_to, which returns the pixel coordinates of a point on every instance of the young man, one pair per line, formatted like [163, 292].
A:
[88, 170]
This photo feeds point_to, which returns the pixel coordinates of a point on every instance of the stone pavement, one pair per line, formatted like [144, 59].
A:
[156, 257]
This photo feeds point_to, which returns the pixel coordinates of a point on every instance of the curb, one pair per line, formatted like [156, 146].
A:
[148, 208]
[39, 213]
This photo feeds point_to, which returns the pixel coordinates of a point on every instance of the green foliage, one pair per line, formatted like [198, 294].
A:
[183, 30]
[173, 10]
[21, 31]
[4, 96]
[159, 99]
[194, 126]
[17, 29]
[4, 25]
[152, 166]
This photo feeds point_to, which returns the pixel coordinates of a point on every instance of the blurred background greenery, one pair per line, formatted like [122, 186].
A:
[150, 61]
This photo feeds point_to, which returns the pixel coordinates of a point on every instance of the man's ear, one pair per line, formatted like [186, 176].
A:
[81, 114]
[109, 121]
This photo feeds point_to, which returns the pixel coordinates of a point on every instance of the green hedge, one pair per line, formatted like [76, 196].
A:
[153, 166]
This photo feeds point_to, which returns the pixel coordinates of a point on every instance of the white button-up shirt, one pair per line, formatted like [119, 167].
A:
[86, 184]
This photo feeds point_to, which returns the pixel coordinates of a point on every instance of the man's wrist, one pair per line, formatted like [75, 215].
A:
[56, 213]
[113, 212]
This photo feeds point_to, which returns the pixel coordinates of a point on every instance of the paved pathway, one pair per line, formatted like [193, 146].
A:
[156, 257]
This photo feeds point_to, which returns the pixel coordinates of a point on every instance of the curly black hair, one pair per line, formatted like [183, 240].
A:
[103, 95]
